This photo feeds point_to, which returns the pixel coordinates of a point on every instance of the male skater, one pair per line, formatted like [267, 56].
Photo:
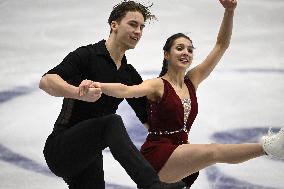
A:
[87, 123]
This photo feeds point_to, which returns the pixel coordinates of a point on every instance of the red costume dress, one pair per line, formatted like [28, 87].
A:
[170, 121]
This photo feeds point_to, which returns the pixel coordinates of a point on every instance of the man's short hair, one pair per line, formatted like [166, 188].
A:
[121, 9]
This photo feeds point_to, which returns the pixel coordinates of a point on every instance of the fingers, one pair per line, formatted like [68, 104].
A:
[81, 90]
[95, 94]
[97, 97]
[96, 85]
[86, 84]
[84, 87]
[92, 95]
[89, 91]
[228, 3]
[95, 91]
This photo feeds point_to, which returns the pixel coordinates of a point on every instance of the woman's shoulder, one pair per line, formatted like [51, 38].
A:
[158, 86]
[188, 81]
[155, 81]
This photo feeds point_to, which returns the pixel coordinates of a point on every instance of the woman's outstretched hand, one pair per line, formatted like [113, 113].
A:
[229, 4]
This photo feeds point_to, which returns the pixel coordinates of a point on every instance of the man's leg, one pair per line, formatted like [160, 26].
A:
[189, 180]
[77, 148]
[89, 178]
[126, 153]
[76, 155]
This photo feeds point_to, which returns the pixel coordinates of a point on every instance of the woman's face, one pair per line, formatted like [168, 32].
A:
[181, 54]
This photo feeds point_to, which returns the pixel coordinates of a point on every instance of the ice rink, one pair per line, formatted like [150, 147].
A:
[241, 99]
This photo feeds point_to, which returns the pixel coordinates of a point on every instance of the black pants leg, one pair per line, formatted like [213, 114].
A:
[189, 180]
[74, 154]
[126, 153]
[91, 177]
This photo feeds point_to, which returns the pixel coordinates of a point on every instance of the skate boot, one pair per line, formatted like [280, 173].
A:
[273, 143]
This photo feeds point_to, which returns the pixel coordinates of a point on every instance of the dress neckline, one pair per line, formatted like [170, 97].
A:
[180, 99]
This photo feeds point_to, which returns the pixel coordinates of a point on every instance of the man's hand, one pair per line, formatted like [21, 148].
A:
[229, 4]
[89, 91]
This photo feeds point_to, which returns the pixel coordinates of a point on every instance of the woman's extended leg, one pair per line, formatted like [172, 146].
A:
[190, 158]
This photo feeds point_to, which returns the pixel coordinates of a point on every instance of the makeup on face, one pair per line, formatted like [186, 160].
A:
[182, 50]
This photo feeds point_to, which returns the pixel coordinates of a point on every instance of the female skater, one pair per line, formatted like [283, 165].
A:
[172, 108]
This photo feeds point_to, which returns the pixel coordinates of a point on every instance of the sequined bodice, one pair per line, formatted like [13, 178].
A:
[186, 109]
[172, 117]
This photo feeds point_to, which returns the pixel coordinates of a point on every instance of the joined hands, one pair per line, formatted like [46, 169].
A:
[89, 91]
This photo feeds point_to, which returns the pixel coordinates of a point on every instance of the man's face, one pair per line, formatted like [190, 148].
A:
[129, 30]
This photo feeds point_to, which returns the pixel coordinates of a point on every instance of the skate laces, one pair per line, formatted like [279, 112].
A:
[270, 132]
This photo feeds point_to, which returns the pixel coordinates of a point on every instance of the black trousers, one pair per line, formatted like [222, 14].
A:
[76, 154]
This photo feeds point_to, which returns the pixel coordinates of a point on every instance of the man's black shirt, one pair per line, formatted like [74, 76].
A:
[93, 62]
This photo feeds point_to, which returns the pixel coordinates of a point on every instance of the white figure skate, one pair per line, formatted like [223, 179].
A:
[273, 143]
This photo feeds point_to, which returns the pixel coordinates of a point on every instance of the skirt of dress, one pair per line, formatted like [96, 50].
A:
[157, 152]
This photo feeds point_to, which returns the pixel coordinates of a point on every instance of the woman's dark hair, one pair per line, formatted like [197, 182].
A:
[121, 9]
[167, 48]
